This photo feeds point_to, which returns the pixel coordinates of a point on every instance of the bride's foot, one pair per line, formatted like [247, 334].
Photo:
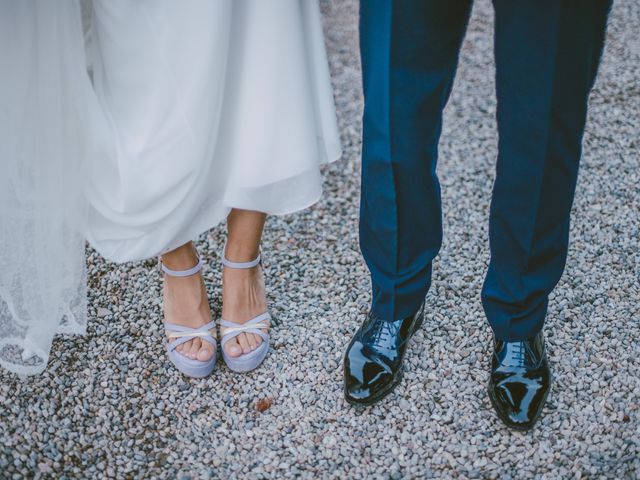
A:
[186, 302]
[243, 298]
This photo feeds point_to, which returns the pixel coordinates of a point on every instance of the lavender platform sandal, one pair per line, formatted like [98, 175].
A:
[230, 330]
[179, 334]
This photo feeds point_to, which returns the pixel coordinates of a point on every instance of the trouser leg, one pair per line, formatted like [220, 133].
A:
[547, 54]
[409, 56]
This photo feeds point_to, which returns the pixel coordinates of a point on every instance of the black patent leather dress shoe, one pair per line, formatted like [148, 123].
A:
[373, 361]
[520, 381]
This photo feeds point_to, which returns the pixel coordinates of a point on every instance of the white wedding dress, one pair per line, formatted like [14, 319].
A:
[194, 107]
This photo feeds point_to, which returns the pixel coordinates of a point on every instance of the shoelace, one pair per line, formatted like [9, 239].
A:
[384, 330]
[519, 350]
[516, 354]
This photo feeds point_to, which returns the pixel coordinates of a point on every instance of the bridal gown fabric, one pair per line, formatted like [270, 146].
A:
[192, 108]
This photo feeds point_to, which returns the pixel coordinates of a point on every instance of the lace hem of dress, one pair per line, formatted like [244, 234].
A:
[25, 344]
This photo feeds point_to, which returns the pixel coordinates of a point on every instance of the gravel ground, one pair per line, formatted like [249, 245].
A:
[110, 405]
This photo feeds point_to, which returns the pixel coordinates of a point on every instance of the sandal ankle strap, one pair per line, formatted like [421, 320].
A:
[241, 265]
[180, 273]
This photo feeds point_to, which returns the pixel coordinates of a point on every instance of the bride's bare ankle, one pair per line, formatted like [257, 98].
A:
[237, 252]
[245, 233]
[181, 258]
[243, 294]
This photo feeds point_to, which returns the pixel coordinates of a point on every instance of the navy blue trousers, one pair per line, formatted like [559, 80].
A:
[547, 54]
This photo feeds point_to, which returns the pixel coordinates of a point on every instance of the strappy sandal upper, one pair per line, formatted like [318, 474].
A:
[230, 330]
[180, 334]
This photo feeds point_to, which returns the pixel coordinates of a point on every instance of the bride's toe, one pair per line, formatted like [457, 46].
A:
[253, 342]
[233, 349]
[196, 346]
[186, 349]
[205, 353]
[243, 339]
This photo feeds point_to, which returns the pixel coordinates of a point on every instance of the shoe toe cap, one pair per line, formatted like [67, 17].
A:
[366, 378]
[518, 405]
